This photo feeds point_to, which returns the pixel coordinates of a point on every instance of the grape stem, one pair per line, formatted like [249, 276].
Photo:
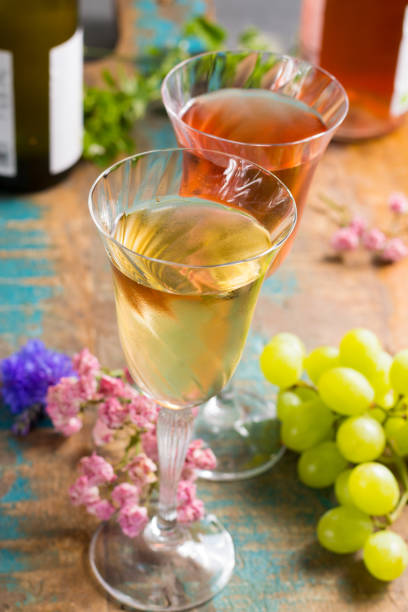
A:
[403, 472]
[304, 385]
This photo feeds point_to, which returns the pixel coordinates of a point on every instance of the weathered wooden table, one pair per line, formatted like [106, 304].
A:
[55, 284]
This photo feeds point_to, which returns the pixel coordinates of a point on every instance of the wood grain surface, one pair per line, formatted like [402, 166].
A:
[55, 284]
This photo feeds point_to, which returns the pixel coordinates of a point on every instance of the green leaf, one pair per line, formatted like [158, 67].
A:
[211, 34]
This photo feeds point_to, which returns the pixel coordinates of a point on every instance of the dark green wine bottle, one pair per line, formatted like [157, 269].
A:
[41, 117]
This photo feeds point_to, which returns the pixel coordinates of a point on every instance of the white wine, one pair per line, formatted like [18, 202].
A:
[183, 324]
[41, 54]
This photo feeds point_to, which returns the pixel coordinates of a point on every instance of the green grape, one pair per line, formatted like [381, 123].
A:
[399, 372]
[288, 338]
[305, 393]
[341, 489]
[320, 360]
[285, 402]
[396, 431]
[385, 555]
[378, 414]
[306, 425]
[281, 360]
[330, 436]
[344, 529]
[345, 391]
[360, 350]
[360, 438]
[319, 466]
[380, 378]
[386, 400]
[373, 488]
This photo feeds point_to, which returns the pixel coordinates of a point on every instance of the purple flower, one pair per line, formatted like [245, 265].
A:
[345, 239]
[27, 374]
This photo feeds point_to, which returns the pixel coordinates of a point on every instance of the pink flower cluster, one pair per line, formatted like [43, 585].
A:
[128, 499]
[120, 404]
[357, 234]
[198, 458]
[94, 472]
[65, 400]
[125, 490]
[189, 507]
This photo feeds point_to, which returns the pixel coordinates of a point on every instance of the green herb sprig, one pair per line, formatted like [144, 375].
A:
[111, 111]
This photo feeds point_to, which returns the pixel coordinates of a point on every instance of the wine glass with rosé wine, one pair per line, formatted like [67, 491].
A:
[186, 274]
[279, 112]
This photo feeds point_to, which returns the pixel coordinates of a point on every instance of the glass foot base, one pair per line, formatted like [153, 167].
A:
[243, 432]
[148, 573]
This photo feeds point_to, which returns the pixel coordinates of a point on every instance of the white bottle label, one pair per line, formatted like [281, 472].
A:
[8, 165]
[399, 101]
[65, 103]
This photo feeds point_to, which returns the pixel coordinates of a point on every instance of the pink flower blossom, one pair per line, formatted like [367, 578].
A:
[191, 512]
[70, 427]
[88, 386]
[394, 250]
[101, 433]
[82, 492]
[398, 202]
[63, 404]
[358, 225]
[97, 470]
[85, 363]
[149, 444]
[141, 470]
[132, 519]
[189, 508]
[143, 411]
[189, 472]
[344, 239]
[115, 387]
[102, 509]
[112, 412]
[125, 493]
[186, 492]
[87, 367]
[374, 240]
[200, 457]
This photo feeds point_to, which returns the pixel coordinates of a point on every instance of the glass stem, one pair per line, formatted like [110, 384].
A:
[174, 429]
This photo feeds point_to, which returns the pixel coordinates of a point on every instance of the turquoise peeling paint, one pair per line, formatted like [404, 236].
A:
[24, 267]
[11, 561]
[10, 527]
[21, 297]
[17, 210]
[15, 324]
[20, 490]
[15, 240]
[155, 30]
[282, 285]
[159, 136]
[15, 446]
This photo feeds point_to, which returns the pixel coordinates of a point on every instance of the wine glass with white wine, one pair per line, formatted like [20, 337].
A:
[186, 274]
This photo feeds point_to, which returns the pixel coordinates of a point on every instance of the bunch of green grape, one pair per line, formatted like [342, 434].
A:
[349, 424]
